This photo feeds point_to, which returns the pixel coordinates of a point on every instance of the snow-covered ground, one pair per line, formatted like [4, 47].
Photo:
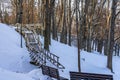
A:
[14, 61]
[90, 62]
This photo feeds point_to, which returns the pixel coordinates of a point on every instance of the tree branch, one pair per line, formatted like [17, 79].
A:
[117, 39]
[103, 3]
[117, 14]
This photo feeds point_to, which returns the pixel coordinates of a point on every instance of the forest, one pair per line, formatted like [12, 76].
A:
[89, 25]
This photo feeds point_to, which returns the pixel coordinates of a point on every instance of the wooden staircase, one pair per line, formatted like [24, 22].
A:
[39, 55]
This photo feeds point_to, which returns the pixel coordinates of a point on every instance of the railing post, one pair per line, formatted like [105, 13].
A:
[57, 62]
[45, 57]
[50, 57]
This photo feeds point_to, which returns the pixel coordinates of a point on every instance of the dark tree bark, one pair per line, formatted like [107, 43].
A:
[1, 17]
[100, 45]
[111, 35]
[91, 11]
[89, 38]
[70, 23]
[54, 29]
[17, 10]
[105, 47]
[63, 37]
[78, 34]
[118, 50]
[47, 26]
[19, 17]
[80, 23]
[84, 23]
[96, 44]
[32, 6]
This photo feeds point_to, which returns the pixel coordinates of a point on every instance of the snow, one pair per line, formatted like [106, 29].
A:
[14, 61]
[8, 75]
[90, 62]
[37, 75]
[68, 57]
[12, 57]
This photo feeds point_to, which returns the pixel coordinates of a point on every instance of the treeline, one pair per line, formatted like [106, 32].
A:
[94, 24]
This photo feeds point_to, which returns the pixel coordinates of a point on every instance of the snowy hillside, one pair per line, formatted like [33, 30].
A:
[14, 61]
[90, 62]
[12, 57]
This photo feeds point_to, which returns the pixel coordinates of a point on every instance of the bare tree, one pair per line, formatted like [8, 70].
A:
[78, 34]
[63, 38]
[111, 35]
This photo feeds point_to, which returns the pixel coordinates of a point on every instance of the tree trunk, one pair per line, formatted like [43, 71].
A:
[89, 38]
[70, 23]
[78, 37]
[1, 17]
[105, 47]
[63, 37]
[100, 45]
[54, 29]
[84, 23]
[118, 50]
[47, 24]
[111, 35]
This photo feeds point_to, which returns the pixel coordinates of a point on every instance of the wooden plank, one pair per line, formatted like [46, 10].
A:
[91, 76]
[45, 70]
[52, 72]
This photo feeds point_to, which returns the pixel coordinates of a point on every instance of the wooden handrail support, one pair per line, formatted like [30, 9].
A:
[53, 59]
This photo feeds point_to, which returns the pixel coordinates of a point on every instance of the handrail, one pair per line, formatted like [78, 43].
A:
[41, 54]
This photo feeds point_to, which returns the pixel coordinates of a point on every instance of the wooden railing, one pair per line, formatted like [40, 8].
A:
[34, 46]
[45, 55]
[52, 72]
[37, 53]
[53, 59]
